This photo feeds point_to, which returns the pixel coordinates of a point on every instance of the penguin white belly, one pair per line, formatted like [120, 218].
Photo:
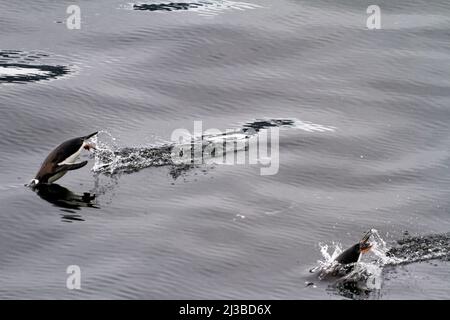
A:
[71, 159]
[56, 176]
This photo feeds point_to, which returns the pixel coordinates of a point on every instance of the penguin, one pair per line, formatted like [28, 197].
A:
[344, 262]
[353, 254]
[61, 160]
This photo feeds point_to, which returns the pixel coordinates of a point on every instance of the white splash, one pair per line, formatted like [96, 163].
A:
[380, 250]
[366, 276]
[328, 263]
[104, 147]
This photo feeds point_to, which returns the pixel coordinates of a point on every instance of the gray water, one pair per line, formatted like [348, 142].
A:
[225, 231]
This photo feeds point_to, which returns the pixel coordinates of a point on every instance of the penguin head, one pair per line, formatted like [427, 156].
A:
[364, 244]
[33, 183]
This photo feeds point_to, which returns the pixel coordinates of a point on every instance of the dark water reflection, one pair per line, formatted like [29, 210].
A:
[64, 198]
[69, 202]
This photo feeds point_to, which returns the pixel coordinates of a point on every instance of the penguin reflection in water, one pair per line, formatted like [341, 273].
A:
[64, 198]
[61, 160]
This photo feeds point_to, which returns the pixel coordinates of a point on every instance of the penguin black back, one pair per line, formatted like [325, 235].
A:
[350, 255]
[59, 154]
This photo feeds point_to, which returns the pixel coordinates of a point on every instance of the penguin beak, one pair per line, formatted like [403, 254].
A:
[364, 244]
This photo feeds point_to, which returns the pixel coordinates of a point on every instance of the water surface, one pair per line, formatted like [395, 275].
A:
[224, 231]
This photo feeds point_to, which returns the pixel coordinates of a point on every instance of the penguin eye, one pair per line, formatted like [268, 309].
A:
[86, 147]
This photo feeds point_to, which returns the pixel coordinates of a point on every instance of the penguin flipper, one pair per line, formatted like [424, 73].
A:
[68, 167]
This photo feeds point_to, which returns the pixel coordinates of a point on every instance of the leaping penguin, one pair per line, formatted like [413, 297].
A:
[353, 254]
[345, 262]
[61, 160]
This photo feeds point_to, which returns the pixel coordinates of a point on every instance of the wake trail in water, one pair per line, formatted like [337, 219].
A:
[111, 159]
[421, 248]
[22, 67]
[204, 8]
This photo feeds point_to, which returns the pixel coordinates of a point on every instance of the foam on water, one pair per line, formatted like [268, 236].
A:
[22, 67]
[203, 8]
[111, 158]
[420, 248]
